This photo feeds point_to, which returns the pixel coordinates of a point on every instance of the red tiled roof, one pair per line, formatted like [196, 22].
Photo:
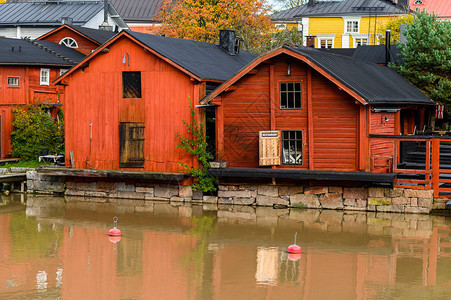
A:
[442, 8]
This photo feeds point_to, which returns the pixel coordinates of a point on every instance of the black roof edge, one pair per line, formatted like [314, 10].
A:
[381, 178]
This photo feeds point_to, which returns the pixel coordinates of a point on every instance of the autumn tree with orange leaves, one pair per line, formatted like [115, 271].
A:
[201, 20]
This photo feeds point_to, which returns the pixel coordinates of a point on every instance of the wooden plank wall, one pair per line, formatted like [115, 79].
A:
[381, 149]
[335, 123]
[95, 96]
[28, 91]
[246, 110]
[85, 46]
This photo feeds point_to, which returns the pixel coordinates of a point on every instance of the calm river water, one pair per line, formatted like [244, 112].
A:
[58, 248]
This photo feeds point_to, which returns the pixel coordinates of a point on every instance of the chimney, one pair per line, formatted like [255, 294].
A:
[387, 47]
[229, 42]
[67, 20]
[105, 26]
[311, 2]
[402, 37]
[403, 4]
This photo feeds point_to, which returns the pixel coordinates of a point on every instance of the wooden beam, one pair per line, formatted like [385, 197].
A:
[311, 164]
[272, 97]
[252, 72]
[219, 114]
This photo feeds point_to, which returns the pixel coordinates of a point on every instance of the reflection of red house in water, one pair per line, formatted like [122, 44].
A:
[27, 69]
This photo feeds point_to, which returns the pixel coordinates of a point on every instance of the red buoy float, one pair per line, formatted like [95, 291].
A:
[114, 231]
[294, 249]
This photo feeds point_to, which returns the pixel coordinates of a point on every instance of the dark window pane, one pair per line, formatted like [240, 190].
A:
[292, 147]
[290, 95]
[131, 84]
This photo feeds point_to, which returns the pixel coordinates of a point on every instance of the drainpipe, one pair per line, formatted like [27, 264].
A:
[387, 47]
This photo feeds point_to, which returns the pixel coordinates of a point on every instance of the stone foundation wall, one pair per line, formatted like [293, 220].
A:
[375, 199]
[331, 197]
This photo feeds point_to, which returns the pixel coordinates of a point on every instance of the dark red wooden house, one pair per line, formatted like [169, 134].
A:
[301, 109]
[27, 69]
[126, 101]
[82, 39]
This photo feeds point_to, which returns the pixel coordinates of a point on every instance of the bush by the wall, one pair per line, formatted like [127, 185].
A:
[34, 130]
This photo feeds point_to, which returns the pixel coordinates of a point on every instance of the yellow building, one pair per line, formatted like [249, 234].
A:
[340, 23]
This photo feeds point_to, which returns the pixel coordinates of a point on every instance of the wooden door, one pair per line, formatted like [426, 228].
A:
[131, 145]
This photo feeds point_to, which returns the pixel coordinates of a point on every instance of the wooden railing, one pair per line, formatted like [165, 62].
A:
[429, 173]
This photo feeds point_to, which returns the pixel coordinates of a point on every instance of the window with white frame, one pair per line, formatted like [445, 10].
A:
[45, 76]
[418, 2]
[361, 42]
[326, 43]
[62, 71]
[352, 26]
[13, 81]
[69, 42]
[292, 147]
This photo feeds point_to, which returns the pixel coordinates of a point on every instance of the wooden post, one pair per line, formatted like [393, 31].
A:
[435, 165]
[428, 164]
[311, 155]
[272, 97]
[219, 114]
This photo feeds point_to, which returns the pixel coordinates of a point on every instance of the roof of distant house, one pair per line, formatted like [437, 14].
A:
[138, 10]
[96, 35]
[441, 8]
[340, 8]
[22, 52]
[61, 50]
[50, 13]
[375, 84]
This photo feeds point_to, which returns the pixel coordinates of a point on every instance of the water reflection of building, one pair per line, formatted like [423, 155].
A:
[160, 256]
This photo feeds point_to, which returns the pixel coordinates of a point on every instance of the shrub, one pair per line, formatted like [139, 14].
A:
[34, 130]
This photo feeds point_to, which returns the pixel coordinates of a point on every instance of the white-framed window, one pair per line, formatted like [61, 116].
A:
[418, 2]
[62, 71]
[361, 42]
[325, 40]
[351, 24]
[45, 76]
[359, 39]
[13, 81]
[292, 147]
[281, 26]
[69, 42]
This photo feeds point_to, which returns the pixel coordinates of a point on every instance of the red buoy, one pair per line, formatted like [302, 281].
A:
[114, 231]
[114, 239]
[294, 257]
[295, 249]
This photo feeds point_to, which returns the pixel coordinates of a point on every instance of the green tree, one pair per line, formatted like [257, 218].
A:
[427, 56]
[33, 130]
[287, 4]
[281, 37]
[394, 25]
[201, 20]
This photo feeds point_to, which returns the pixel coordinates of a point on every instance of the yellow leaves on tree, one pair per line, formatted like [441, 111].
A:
[394, 25]
[202, 20]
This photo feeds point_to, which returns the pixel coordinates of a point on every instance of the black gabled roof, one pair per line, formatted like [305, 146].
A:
[69, 53]
[204, 60]
[21, 52]
[341, 51]
[376, 54]
[339, 8]
[374, 83]
[100, 36]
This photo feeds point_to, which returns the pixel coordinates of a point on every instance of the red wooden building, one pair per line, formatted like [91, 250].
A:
[84, 40]
[126, 101]
[27, 69]
[302, 109]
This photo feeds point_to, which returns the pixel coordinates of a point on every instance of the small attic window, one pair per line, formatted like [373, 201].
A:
[131, 84]
[13, 81]
[418, 2]
[69, 42]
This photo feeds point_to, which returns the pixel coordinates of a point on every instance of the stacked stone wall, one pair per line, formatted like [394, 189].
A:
[375, 199]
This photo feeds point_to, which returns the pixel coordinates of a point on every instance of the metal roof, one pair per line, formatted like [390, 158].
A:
[340, 8]
[22, 52]
[204, 60]
[138, 10]
[375, 83]
[61, 50]
[442, 8]
[49, 13]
